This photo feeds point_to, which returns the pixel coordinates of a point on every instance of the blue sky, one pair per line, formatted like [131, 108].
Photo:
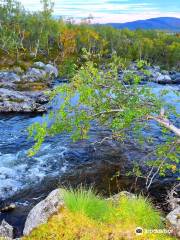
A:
[111, 10]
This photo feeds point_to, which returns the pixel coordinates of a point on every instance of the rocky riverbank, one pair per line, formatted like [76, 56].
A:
[104, 166]
[150, 74]
[54, 202]
[25, 91]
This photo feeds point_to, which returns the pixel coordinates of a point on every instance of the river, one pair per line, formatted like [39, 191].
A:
[26, 180]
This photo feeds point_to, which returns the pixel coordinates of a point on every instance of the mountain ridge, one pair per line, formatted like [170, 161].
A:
[160, 23]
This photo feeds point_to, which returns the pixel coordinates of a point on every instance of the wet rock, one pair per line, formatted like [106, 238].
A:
[176, 78]
[149, 73]
[43, 210]
[8, 208]
[163, 79]
[25, 92]
[6, 231]
[8, 80]
[173, 221]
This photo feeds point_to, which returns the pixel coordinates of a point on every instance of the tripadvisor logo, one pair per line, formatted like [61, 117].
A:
[139, 231]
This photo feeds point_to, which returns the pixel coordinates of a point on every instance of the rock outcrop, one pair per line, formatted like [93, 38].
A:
[54, 201]
[6, 231]
[151, 73]
[16, 101]
[173, 221]
[25, 91]
[43, 210]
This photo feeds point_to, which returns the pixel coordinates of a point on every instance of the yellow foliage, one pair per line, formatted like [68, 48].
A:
[68, 42]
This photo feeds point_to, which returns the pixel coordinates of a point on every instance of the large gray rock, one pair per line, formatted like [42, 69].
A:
[157, 68]
[173, 221]
[8, 80]
[163, 79]
[25, 92]
[39, 65]
[176, 78]
[115, 198]
[51, 70]
[43, 210]
[9, 77]
[48, 68]
[34, 75]
[164, 72]
[15, 101]
[6, 231]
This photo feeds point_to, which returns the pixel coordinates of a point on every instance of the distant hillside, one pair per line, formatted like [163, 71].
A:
[162, 23]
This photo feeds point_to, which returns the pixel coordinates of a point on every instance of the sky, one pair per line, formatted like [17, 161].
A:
[104, 11]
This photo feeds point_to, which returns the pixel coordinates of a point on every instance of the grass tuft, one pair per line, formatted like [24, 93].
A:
[88, 203]
[140, 211]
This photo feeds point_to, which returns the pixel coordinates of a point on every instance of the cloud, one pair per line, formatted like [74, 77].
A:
[111, 10]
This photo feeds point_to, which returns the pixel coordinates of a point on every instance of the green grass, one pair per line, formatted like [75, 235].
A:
[138, 210]
[88, 203]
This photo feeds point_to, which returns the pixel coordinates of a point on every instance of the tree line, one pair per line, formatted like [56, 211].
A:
[25, 36]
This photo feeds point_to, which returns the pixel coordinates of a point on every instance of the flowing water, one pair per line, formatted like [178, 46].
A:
[26, 180]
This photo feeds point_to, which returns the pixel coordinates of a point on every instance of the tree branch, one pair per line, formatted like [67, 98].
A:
[166, 123]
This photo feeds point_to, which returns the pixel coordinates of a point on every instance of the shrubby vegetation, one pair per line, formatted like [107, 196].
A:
[83, 218]
[26, 36]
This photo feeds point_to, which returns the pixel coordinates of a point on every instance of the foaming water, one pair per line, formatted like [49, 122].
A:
[17, 170]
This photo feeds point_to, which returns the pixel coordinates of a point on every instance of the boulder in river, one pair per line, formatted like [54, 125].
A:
[43, 210]
[6, 231]
[48, 68]
[25, 91]
[150, 73]
[173, 221]
[176, 77]
[15, 101]
[34, 74]
[163, 79]
[51, 70]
